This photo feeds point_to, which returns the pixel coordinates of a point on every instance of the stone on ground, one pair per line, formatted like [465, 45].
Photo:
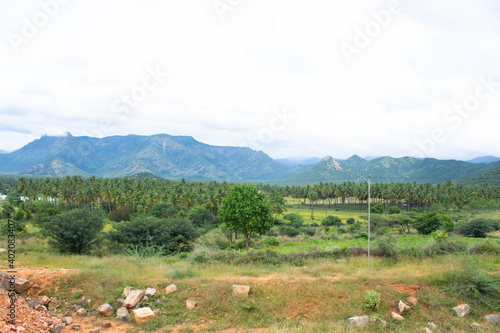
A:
[133, 298]
[190, 304]
[122, 312]
[143, 314]
[462, 310]
[359, 321]
[402, 307]
[240, 290]
[492, 319]
[170, 289]
[105, 310]
[127, 291]
[396, 316]
[150, 292]
[412, 300]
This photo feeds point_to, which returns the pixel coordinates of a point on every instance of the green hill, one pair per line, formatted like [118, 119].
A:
[491, 177]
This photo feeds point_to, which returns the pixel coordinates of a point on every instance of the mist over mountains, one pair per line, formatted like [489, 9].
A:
[177, 157]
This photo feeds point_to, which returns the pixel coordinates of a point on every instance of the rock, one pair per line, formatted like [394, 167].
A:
[133, 298]
[45, 300]
[68, 320]
[241, 290]
[53, 304]
[427, 330]
[359, 321]
[32, 303]
[475, 325]
[122, 312]
[412, 300]
[150, 292]
[492, 319]
[462, 310]
[383, 323]
[106, 324]
[105, 310]
[432, 325]
[396, 316]
[22, 285]
[75, 327]
[145, 299]
[402, 307]
[170, 289]
[67, 314]
[127, 291]
[81, 302]
[81, 313]
[59, 328]
[39, 307]
[95, 330]
[142, 315]
[190, 304]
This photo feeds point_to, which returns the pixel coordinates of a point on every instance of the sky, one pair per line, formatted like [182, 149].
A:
[288, 77]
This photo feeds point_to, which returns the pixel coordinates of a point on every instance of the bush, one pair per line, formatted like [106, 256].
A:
[19, 227]
[122, 213]
[215, 239]
[297, 225]
[331, 220]
[270, 241]
[372, 300]
[294, 217]
[393, 210]
[310, 231]
[430, 222]
[289, 231]
[351, 220]
[476, 228]
[386, 247]
[273, 232]
[377, 209]
[174, 233]
[73, 231]
[200, 216]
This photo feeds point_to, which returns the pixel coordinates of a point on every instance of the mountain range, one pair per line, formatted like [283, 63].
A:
[176, 157]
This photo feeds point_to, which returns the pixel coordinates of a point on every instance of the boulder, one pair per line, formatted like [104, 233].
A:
[170, 289]
[142, 315]
[133, 298]
[122, 312]
[492, 319]
[105, 310]
[402, 307]
[397, 316]
[190, 304]
[127, 291]
[359, 321]
[150, 292]
[240, 290]
[462, 310]
[81, 312]
[412, 300]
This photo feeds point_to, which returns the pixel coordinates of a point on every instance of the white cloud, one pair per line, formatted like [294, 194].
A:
[225, 78]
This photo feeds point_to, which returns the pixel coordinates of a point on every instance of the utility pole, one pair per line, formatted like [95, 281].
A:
[368, 222]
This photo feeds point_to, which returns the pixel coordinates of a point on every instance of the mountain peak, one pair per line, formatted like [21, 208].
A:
[327, 158]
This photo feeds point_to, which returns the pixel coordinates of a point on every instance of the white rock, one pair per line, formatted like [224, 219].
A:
[170, 289]
[105, 310]
[81, 312]
[150, 292]
[402, 307]
[143, 314]
[494, 318]
[462, 310]
[133, 298]
[190, 304]
[240, 290]
[432, 325]
[396, 316]
[122, 312]
[359, 321]
[127, 291]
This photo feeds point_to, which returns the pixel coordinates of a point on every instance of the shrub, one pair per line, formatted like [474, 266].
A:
[294, 217]
[476, 228]
[486, 247]
[386, 247]
[393, 210]
[351, 220]
[310, 231]
[331, 220]
[377, 209]
[444, 245]
[372, 300]
[19, 227]
[289, 231]
[122, 213]
[214, 239]
[241, 245]
[173, 233]
[73, 231]
[273, 232]
[473, 283]
[430, 222]
[270, 241]
[297, 225]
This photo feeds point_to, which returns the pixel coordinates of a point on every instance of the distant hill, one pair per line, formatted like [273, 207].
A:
[164, 155]
[3, 152]
[291, 162]
[484, 159]
[491, 177]
[388, 169]
[176, 157]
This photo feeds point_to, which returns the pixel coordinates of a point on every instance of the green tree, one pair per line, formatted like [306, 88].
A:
[73, 231]
[246, 210]
[277, 202]
[430, 222]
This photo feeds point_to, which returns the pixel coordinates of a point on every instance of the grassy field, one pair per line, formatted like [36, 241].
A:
[313, 294]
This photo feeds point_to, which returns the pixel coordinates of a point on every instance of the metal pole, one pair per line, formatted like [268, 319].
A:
[368, 222]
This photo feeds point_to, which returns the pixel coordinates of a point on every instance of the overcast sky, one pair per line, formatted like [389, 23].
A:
[289, 77]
